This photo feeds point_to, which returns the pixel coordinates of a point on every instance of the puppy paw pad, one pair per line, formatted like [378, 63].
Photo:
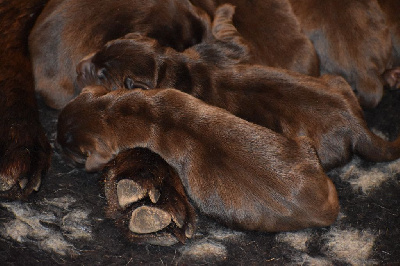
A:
[128, 192]
[154, 195]
[146, 220]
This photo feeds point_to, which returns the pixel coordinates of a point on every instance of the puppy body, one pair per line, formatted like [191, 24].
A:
[352, 40]
[282, 187]
[66, 32]
[324, 109]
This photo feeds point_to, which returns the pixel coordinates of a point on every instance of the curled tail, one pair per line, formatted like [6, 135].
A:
[373, 148]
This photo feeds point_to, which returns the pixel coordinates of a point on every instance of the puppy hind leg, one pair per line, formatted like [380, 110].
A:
[146, 199]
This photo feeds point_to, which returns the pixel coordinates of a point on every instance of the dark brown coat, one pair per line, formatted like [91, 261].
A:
[324, 109]
[282, 186]
[352, 39]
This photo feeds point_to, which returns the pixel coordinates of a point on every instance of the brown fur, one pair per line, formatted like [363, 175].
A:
[65, 32]
[352, 39]
[57, 44]
[274, 35]
[324, 109]
[283, 187]
[69, 30]
[24, 149]
[391, 9]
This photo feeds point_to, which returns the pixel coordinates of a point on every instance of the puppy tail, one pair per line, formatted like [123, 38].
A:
[373, 148]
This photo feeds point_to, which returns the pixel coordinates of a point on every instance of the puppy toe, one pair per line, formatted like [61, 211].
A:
[145, 220]
[128, 192]
[146, 199]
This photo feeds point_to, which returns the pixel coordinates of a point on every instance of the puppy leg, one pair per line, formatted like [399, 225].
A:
[282, 187]
[24, 148]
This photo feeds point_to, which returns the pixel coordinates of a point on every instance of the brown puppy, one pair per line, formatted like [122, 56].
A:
[57, 44]
[283, 186]
[324, 109]
[67, 30]
[352, 39]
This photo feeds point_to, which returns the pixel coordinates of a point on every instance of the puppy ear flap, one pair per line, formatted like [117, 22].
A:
[96, 162]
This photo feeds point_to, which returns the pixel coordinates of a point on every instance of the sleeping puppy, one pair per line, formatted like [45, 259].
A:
[60, 34]
[57, 44]
[323, 109]
[353, 39]
[283, 187]
[40, 49]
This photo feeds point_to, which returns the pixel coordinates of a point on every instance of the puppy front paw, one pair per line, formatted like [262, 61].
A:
[24, 158]
[146, 199]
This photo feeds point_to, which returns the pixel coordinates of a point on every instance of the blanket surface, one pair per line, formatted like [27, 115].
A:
[64, 222]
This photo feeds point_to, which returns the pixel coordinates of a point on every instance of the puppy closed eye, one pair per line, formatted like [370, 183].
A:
[131, 84]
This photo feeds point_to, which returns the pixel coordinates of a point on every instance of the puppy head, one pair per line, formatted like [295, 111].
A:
[81, 131]
[130, 62]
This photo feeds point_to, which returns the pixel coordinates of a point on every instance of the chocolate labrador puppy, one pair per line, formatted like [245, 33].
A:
[353, 39]
[324, 109]
[283, 187]
[67, 30]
